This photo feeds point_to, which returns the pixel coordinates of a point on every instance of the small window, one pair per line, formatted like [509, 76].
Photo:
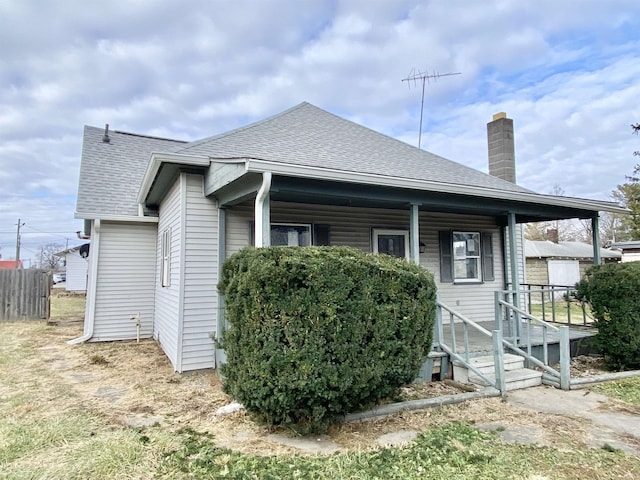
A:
[466, 256]
[166, 258]
[391, 242]
[290, 235]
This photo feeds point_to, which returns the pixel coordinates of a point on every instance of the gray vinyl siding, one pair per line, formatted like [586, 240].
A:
[200, 277]
[352, 226]
[167, 299]
[125, 281]
[185, 319]
[76, 268]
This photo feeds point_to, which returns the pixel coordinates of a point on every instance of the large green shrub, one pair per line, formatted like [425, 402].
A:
[613, 292]
[317, 332]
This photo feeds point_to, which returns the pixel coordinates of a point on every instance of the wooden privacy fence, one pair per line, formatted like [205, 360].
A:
[24, 294]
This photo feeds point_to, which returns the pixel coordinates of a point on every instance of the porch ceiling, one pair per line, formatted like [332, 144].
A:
[302, 190]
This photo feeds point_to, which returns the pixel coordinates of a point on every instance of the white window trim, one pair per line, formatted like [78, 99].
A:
[166, 258]
[392, 231]
[306, 225]
[479, 257]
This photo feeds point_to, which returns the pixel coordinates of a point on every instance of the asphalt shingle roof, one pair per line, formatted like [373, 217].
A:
[111, 173]
[307, 135]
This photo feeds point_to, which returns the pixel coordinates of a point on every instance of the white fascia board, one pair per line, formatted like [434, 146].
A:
[115, 218]
[259, 166]
[157, 159]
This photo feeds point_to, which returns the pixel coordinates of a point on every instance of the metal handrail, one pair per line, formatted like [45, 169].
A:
[563, 376]
[548, 294]
[499, 382]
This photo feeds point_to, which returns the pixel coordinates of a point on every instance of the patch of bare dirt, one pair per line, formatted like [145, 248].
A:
[119, 380]
[586, 365]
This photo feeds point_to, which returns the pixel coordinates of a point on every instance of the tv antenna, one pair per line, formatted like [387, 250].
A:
[416, 76]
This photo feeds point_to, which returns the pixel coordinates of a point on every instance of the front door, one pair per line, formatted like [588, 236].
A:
[391, 242]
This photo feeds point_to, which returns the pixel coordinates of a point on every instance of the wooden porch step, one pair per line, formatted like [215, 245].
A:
[485, 365]
[516, 376]
[514, 379]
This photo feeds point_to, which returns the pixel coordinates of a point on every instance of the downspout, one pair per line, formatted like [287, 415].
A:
[220, 354]
[262, 234]
[89, 317]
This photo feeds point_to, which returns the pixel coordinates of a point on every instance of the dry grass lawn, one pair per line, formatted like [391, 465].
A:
[101, 389]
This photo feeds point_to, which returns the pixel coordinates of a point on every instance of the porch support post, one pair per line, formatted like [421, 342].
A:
[595, 236]
[262, 213]
[513, 263]
[414, 232]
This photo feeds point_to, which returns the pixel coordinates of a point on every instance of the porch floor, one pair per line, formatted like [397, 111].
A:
[480, 343]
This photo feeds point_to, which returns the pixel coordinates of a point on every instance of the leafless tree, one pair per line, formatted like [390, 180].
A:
[49, 261]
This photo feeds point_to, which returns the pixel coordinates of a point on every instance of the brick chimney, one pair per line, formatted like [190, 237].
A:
[502, 160]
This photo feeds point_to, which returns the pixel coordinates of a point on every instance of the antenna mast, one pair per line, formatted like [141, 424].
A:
[416, 76]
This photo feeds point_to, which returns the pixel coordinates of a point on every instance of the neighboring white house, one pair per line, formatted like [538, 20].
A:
[630, 250]
[561, 263]
[76, 262]
[163, 215]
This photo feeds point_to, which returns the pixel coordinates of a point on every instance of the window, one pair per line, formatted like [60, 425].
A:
[466, 257]
[166, 258]
[291, 235]
[391, 242]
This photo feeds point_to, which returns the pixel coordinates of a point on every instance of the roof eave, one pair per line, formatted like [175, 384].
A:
[115, 218]
[156, 161]
[278, 168]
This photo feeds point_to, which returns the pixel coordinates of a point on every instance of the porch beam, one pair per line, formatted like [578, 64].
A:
[595, 236]
[318, 191]
[263, 213]
[414, 233]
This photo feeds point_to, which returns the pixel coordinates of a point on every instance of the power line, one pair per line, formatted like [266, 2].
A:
[47, 233]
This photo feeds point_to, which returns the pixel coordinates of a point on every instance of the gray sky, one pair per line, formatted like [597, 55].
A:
[567, 72]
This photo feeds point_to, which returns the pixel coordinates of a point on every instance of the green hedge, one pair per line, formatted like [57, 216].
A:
[317, 332]
[613, 292]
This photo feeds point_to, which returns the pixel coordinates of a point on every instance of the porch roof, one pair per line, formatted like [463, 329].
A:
[242, 179]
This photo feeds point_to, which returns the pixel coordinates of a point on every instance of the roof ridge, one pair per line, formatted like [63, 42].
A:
[141, 135]
[218, 136]
[150, 136]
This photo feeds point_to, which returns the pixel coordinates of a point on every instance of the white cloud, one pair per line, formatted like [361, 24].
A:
[568, 79]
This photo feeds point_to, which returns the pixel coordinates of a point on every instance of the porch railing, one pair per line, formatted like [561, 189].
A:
[519, 341]
[451, 348]
[522, 326]
[556, 304]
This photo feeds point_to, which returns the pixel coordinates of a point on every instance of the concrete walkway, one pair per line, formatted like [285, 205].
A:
[604, 427]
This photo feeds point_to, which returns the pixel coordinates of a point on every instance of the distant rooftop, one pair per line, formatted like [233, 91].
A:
[578, 250]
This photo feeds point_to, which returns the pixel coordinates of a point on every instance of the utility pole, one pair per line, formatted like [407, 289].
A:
[18, 243]
[417, 76]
